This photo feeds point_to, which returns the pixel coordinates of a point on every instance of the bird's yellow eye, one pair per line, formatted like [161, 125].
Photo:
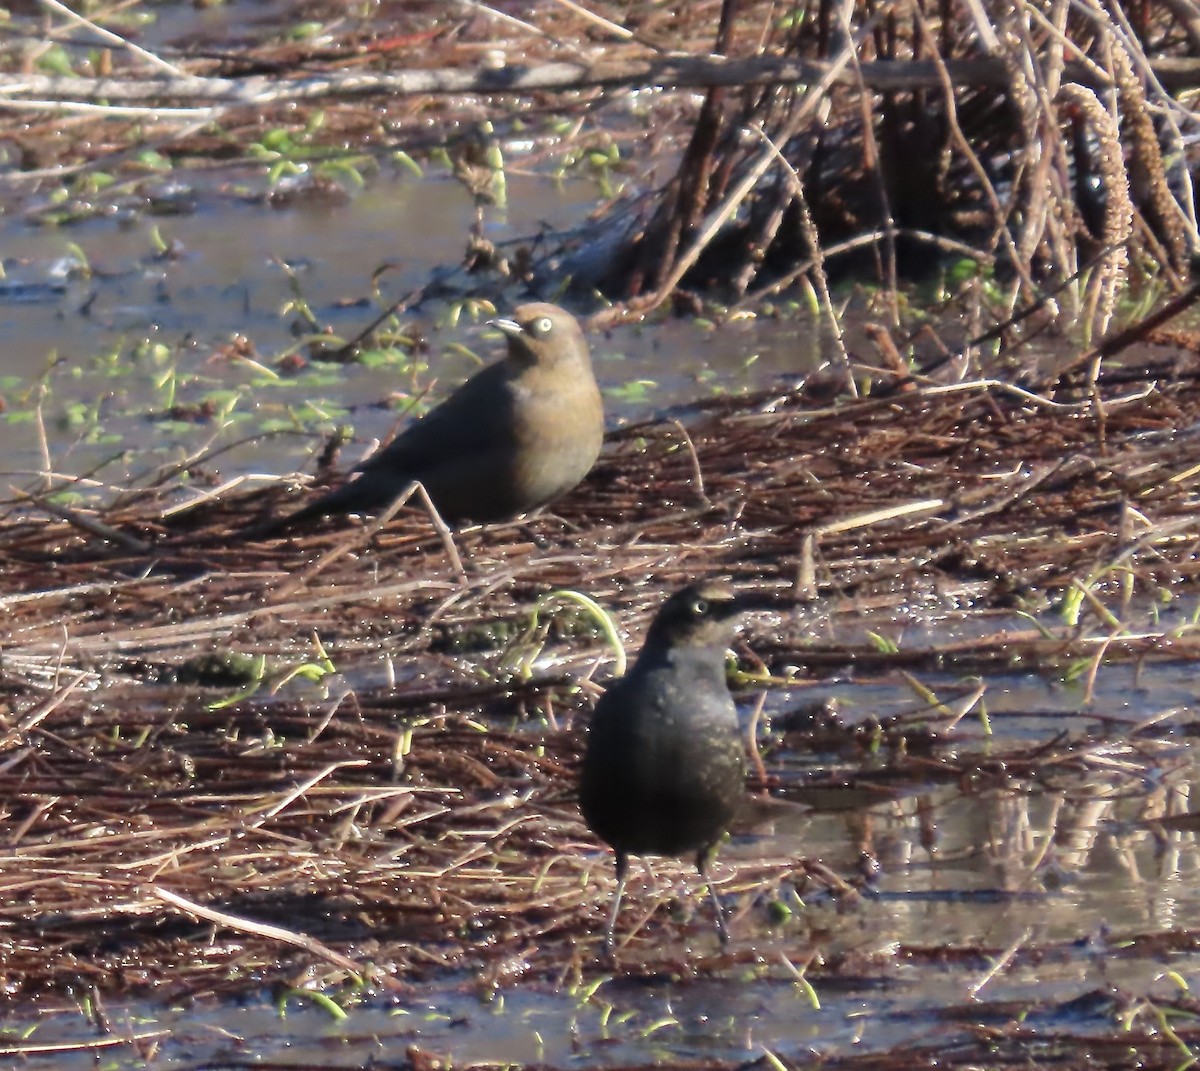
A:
[541, 326]
[700, 607]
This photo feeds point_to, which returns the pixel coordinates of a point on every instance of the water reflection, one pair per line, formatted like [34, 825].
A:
[926, 941]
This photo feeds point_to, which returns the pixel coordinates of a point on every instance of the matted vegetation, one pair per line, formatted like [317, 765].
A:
[427, 822]
[1047, 142]
[344, 761]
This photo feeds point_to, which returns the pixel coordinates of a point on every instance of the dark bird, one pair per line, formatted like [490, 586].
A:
[664, 770]
[517, 434]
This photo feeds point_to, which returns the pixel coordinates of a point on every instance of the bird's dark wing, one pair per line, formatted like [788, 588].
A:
[455, 450]
[474, 421]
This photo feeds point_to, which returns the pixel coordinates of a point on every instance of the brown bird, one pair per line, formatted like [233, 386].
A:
[518, 433]
[664, 769]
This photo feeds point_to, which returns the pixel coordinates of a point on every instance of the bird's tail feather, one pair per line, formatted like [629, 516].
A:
[342, 499]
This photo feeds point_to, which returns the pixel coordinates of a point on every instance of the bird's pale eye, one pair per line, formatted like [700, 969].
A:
[700, 607]
[541, 326]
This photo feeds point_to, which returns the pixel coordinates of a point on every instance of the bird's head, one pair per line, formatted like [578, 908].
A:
[700, 615]
[544, 335]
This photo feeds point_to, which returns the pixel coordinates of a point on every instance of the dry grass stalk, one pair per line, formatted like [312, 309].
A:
[424, 821]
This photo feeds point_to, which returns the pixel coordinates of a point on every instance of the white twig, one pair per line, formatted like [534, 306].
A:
[102, 109]
[613, 28]
[260, 929]
[863, 520]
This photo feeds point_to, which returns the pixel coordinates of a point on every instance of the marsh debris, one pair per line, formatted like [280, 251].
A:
[414, 808]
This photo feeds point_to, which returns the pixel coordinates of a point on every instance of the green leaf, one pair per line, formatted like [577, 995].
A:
[153, 161]
[636, 390]
[408, 162]
[304, 31]
[56, 60]
[278, 140]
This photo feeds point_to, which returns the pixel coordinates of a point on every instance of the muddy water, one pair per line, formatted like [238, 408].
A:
[226, 24]
[232, 269]
[964, 872]
[985, 900]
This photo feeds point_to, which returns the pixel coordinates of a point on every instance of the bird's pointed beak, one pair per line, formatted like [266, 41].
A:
[726, 608]
[509, 327]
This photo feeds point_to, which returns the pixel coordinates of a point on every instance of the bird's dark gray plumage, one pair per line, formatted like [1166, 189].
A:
[516, 435]
[664, 769]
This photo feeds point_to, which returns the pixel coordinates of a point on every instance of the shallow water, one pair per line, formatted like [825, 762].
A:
[1045, 884]
[1057, 873]
[110, 390]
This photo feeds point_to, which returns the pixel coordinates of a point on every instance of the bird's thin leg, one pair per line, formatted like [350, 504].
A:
[702, 858]
[622, 870]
